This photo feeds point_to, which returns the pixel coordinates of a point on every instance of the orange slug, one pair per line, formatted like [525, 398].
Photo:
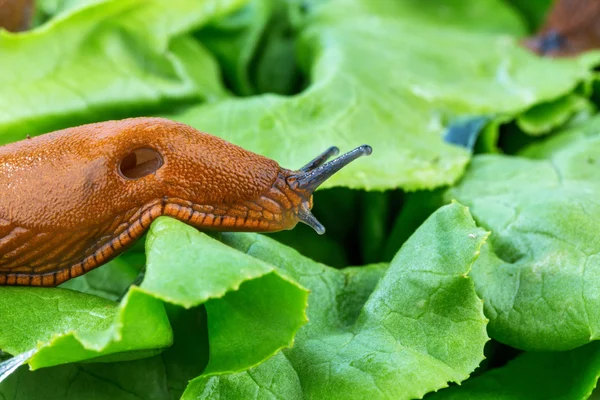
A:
[571, 27]
[73, 199]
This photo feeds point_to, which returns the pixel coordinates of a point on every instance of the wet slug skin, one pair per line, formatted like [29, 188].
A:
[71, 200]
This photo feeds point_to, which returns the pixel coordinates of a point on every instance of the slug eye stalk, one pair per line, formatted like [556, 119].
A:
[317, 171]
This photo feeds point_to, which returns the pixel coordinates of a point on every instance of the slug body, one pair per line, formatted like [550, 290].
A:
[571, 27]
[71, 200]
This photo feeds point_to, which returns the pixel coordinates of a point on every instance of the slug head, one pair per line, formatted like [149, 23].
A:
[308, 178]
[233, 189]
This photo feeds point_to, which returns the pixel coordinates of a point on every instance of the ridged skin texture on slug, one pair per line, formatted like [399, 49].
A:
[571, 27]
[66, 207]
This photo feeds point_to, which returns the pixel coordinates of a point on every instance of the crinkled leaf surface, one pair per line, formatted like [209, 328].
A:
[80, 68]
[253, 311]
[394, 76]
[534, 376]
[419, 327]
[539, 276]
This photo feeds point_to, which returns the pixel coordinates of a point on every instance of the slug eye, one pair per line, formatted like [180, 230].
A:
[139, 163]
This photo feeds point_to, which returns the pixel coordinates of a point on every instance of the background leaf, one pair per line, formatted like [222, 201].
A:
[532, 376]
[135, 67]
[539, 274]
[544, 117]
[393, 75]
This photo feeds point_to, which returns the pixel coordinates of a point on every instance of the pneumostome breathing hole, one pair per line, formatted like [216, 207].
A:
[140, 162]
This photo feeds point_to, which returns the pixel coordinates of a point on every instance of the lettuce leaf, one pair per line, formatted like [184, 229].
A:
[535, 376]
[396, 333]
[247, 322]
[78, 68]
[539, 274]
[127, 380]
[395, 76]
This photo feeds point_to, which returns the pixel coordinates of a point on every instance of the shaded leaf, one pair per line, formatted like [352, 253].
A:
[418, 206]
[542, 118]
[113, 279]
[132, 380]
[534, 376]
[188, 356]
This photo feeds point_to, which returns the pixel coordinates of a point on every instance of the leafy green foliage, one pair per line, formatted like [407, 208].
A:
[66, 326]
[538, 276]
[546, 116]
[402, 109]
[134, 50]
[243, 308]
[532, 376]
[417, 328]
[128, 380]
[188, 315]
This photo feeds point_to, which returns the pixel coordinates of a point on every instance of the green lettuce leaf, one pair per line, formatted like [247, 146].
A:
[539, 275]
[128, 380]
[48, 9]
[392, 75]
[534, 376]
[235, 38]
[65, 326]
[78, 68]
[534, 11]
[396, 333]
[252, 309]
[542, 118]
[189, 355]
